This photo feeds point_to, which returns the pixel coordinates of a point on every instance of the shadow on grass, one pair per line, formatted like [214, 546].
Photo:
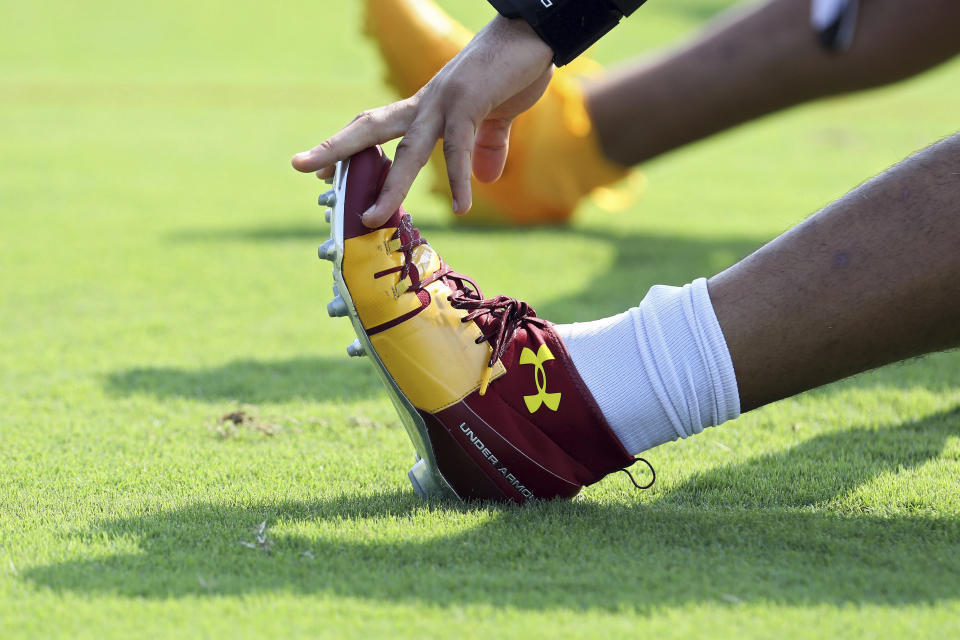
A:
[757, 531]
[254, 381]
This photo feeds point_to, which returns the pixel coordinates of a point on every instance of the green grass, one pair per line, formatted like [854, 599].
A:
[158, 271]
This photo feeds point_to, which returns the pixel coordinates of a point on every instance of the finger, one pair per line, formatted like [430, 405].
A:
[326, 173]
[458, 137]
[411, 156]
[367, 129]
[491, 148]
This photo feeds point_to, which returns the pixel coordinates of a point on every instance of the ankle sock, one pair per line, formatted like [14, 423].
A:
[659, 371]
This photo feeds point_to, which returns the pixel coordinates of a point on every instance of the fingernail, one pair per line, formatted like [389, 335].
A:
[365, 216]
[298, 159]
[456, 206]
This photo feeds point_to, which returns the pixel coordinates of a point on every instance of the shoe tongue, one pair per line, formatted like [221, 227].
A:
[426, 260]
[368, 171]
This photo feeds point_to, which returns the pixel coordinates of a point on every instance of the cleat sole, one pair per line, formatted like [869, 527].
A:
[425, 477]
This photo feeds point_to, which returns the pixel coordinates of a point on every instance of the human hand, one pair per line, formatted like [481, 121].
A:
[471, 104]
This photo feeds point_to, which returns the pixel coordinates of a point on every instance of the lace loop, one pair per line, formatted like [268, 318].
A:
[652, 471]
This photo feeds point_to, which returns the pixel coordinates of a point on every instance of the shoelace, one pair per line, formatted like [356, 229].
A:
[408, 237]
[508, 314]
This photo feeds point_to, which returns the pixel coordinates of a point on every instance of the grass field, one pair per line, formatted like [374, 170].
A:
[158, 271]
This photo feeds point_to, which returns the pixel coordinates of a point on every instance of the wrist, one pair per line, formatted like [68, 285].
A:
[516, 30]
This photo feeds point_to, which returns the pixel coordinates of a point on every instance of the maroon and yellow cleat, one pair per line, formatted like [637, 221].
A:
[485, 388]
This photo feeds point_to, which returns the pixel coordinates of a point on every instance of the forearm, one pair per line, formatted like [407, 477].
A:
[873, 278]
[760, 60]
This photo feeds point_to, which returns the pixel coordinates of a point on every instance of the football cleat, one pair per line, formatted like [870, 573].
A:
[485, 389]
[555, 158]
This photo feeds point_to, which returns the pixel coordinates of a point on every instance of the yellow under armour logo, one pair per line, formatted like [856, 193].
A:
[552, 400]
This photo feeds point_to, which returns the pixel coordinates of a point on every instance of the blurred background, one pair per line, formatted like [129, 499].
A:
[145, 178]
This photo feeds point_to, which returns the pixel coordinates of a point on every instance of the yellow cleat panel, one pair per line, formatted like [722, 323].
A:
[376, 299]
[434, 357]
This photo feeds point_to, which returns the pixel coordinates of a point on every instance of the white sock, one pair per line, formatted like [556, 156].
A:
[659, 371]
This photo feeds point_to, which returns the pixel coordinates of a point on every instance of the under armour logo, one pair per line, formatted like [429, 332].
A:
[552, 400]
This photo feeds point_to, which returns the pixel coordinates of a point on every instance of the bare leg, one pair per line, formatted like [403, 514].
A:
[758, 61]
[873, 278]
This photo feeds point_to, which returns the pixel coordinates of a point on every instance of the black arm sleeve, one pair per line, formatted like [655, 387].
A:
[569, 27]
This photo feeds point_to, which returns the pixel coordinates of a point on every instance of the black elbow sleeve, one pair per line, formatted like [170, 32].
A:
[568, 27]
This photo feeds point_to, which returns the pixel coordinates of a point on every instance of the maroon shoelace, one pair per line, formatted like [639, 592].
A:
[507, 314]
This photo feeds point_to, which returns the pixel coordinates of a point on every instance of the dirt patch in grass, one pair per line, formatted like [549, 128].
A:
[230, 424]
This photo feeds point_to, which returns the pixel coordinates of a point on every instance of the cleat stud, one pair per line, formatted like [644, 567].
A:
[328, 180]
[337, 308]
[415, 482]
[423, 479]
[356, 349]
[327, 214]
[327, 251]
[327, 199]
